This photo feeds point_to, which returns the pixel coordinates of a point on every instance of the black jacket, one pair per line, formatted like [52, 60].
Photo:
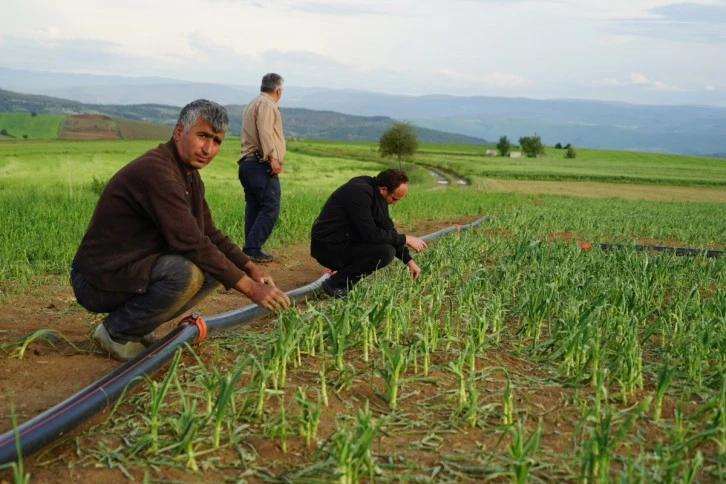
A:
[356, 212]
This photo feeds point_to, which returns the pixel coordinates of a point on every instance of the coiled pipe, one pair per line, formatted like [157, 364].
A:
[46, 427]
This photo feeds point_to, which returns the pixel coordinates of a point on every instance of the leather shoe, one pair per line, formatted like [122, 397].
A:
[258, 255]
[334, 292]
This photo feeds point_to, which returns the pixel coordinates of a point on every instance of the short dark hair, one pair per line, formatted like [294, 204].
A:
[212, 113]
[271, 82]
[391, 179]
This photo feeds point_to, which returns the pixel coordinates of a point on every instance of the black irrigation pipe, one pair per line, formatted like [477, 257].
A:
[663, 248]
[48, 426]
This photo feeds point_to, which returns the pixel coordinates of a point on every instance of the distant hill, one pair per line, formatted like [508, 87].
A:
[304, 123]
[24, 125]
[687, 129]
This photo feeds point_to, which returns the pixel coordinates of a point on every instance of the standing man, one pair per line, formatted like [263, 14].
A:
[151, 250]
[355, 236]
[262, 159]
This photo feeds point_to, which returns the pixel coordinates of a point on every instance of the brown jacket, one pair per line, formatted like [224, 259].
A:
[151, 207]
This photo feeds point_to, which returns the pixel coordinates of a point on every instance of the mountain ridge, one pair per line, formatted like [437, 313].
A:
[298, 122]
[687, 129]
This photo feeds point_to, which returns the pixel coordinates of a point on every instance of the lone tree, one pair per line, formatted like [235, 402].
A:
[504, 145]
[570, 153]
[531, 146]
[400, 140]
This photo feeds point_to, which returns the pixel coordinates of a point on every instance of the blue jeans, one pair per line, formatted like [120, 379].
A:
[176, 284]
[262, 201]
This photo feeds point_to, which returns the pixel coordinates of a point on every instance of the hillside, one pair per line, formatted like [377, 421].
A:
[77, 126]
[687, 129]
[304, 123]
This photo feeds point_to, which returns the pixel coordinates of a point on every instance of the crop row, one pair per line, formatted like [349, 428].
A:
[513, 355]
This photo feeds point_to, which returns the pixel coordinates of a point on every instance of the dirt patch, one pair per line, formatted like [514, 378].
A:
[51, 369]
[608, 190]
[89, 126]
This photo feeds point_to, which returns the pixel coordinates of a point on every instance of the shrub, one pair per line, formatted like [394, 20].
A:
[503, 146]
[532, 146]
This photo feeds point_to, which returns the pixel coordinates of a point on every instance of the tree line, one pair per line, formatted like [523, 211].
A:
[400, 140]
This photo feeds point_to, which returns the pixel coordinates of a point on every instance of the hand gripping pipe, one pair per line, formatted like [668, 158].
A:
[62, 418]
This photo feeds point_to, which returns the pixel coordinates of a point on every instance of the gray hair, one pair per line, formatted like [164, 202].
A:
[212, 113]
[271, 82]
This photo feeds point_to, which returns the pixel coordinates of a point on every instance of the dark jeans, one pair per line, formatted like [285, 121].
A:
[176, 284]
[351, 262]
[262, 201]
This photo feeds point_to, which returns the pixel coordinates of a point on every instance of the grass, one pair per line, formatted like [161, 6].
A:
[516, 355]
[590, 164]
[25, 125]
[50, 188]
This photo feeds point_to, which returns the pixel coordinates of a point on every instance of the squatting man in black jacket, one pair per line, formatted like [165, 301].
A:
[355, 236]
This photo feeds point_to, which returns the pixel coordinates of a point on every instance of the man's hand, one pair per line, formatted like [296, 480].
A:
[275, 166]
[413, 269]
[258, 274]
[415, 243]
[269, 297]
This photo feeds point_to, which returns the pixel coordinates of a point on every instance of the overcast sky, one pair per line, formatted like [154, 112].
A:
[642, 51]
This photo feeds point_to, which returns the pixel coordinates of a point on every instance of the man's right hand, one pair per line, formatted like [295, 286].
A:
[269, 297]
[415, 243]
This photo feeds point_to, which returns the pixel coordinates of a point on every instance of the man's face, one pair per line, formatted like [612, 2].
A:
[198, 146]
[393, 197]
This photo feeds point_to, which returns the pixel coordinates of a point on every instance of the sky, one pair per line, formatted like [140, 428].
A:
[636, 51]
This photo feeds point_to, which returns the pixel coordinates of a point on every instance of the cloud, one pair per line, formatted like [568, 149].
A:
[341, 9]
[693, 13]
[690, 22]
[495, 80]
[62, 54]
[637, 79]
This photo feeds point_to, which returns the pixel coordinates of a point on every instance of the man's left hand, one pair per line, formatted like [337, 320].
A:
[258, 274]
[275, 166]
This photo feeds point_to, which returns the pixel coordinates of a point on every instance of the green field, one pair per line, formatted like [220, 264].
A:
[20, 126]
[25, 125]
[517, 356]
[49, 187]
[471, 162]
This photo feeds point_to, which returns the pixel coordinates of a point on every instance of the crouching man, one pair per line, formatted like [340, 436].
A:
[354, 234]
[152, 251]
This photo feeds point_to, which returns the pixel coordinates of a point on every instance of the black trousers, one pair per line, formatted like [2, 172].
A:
[351, 262]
